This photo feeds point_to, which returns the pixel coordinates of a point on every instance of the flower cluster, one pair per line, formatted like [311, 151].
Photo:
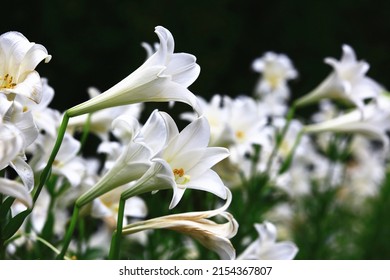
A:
[241, 163]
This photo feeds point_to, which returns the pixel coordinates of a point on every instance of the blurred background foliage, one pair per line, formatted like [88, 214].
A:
[97, 43]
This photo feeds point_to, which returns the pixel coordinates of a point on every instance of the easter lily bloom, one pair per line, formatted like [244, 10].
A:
[266, 247]
[348, 82]
[18, 59]
[197, 225]
[276, 70]
[185, 162]
[163, 77]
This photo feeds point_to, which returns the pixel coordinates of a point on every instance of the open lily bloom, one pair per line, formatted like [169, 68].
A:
[276, 70]
[197, 225]
[185, 162]
[163, 77]
[374, 124]
[266, 247]
[348, 82]
[18, 59]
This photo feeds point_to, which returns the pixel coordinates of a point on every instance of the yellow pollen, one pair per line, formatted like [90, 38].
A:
[273, 80]
[178, 172]
[6, 82]
[180, 176]
[240, 134]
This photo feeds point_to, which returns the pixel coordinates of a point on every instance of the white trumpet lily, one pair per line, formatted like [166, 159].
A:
[185, 162]
[163, 77]
[266, 247]
[348, 82]
[18, 59]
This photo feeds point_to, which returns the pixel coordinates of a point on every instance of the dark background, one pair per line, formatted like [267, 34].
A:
[97, 43]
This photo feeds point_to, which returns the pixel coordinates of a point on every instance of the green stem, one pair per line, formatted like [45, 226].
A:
[46, 171]
[116, 240]
[80, 241]
[69, 232]
[85, 134]
[286, 164]
[280, 137]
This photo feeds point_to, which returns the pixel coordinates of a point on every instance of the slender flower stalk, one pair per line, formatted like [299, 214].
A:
[46, 171]
[280, 137]
[116, 238]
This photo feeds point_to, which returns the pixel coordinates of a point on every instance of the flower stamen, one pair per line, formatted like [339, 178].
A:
[6, 82]
[180, 176]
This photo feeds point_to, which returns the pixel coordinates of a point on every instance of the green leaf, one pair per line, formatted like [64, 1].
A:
[47, 231]
[14, 224]
[5, 207]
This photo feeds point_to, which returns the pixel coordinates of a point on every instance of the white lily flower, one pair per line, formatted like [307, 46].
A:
[276, 70]
[348, 82]
[266, 247]
[210, 234]
[164, 77]
[135, 158]
[18, 59]
[247, 123]
[374, 124]
[185, 162]
[17, 126]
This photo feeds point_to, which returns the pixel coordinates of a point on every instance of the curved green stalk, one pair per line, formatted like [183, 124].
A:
[117, 235]
[69, 232]
[86, 129]
[46, 171]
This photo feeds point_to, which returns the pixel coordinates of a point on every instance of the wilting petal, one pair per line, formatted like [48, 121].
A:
[196, 224]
